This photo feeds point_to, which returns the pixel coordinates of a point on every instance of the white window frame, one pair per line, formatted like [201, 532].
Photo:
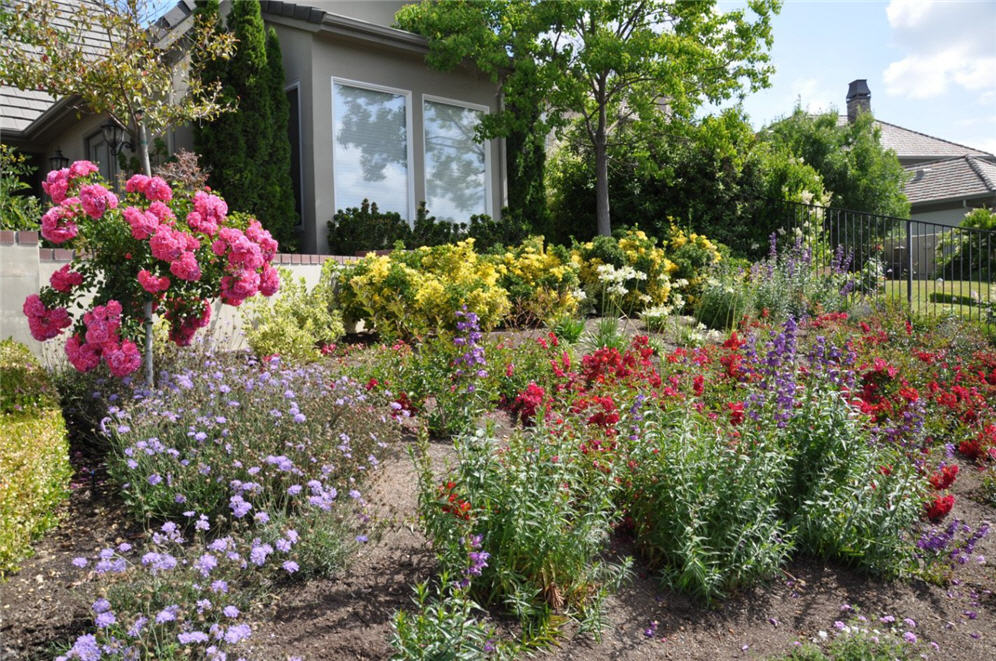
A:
[409, 122]
[300, 148]
[488, 193]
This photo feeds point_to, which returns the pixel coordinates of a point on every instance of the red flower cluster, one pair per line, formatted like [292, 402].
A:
[944, 478]
[452, 503]
[939, 507]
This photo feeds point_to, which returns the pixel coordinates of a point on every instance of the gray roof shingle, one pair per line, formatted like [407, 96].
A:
[955, 178]
[912, 145]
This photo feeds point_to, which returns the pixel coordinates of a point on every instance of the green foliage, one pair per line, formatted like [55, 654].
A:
[18, 211]
[365, 228]
[706, 510]
[543, 516]
[34, 454]
[248, 151]
[856, 169]
[297, 325]
[443, 626]
[840, 502]
[712, 176]
[970, 255]
[607, 63]
[569, 329]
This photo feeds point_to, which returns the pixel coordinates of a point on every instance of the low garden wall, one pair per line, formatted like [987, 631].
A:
[26, 266]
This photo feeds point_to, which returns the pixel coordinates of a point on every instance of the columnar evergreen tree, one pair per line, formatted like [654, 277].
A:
[247, 152]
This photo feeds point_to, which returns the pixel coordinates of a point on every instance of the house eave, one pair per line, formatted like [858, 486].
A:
[351, 28]
[949, 202]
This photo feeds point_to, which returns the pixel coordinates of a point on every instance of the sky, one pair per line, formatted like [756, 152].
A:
[930, 64]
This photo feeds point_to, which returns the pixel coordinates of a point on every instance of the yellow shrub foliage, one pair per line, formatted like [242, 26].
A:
[411, 294]
[541, 281]
[34, 456]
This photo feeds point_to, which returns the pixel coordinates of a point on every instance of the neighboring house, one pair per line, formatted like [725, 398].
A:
[369, 119]
[946, 180]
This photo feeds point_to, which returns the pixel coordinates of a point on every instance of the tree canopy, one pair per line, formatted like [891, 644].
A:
[856, 169]
[608, 64]
[128, 74]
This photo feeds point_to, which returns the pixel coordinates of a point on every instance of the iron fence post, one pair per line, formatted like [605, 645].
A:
[909, 264]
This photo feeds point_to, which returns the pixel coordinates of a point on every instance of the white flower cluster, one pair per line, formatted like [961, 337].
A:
[615, 279]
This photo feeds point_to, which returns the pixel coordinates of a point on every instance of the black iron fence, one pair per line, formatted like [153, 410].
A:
[934, 268]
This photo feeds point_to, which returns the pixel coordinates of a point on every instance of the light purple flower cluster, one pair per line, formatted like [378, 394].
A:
[472, 362]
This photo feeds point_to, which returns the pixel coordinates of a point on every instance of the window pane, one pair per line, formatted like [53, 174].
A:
[370, 150]
[455, 176]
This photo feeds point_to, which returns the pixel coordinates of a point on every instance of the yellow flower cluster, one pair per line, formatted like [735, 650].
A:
[541, 281]
[411, 294]
[694, 255]
[634, 250]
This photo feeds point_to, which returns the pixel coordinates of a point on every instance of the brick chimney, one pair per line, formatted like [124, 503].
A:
[858, 99]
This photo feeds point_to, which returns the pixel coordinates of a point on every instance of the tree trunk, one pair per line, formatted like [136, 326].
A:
[602, 181]
[143, 151]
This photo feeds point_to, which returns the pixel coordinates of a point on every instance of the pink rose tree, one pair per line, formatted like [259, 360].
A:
[147, 253]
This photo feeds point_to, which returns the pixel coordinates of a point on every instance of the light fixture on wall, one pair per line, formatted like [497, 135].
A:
[58, 161]
[115, 136]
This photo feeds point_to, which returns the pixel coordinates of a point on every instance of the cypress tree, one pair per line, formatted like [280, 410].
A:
[247, 151]
[279, 184]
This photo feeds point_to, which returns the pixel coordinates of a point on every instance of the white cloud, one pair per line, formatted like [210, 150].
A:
[814, 95]
[947, 44]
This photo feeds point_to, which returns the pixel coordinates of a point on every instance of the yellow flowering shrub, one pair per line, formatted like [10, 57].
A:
[541, 281]
[632, 271]
[411, 294]
[693, 256]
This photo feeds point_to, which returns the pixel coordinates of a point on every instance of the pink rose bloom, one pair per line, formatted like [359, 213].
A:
[200, 223]
[186, 268]
[102, 324]
[143, 223]
[44, 323]
[190, 241]
[151, 283]
[83, 357]
[82, 169]
[64, 280]
[269, 281]
[137, 183]
[219, 247]
[161, 211]
[96, 199]
[210, 207]
[56, 225]
[157, 189]
[123, 360]
[56, 184]
[237, 288]
[167, 244]
[244, 253]
[263, 238]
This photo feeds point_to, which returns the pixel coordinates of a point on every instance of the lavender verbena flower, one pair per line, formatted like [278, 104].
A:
[188, 637]
[101, 606]
[205, 564]
[167, 614]
[104, 620]
[85, 648]
[220, 587]
[230, 611]
[290, 566]
[237, 633]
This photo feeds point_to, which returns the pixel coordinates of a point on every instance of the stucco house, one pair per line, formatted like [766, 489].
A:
[369, 119]
[946, 180]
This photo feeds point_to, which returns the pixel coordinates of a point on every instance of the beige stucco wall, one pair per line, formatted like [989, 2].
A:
[312, 58]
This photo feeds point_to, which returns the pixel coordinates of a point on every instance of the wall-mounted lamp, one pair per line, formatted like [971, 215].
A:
[58, 161]
[115, 136]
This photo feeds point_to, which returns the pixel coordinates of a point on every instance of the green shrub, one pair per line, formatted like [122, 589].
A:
[297, 325]
[842, 501]
[34, 454]
[706, 511]
[543, 516]
[18, 211]
[356, 230]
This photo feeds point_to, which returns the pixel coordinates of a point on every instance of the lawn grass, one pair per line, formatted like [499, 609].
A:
[935, 297]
